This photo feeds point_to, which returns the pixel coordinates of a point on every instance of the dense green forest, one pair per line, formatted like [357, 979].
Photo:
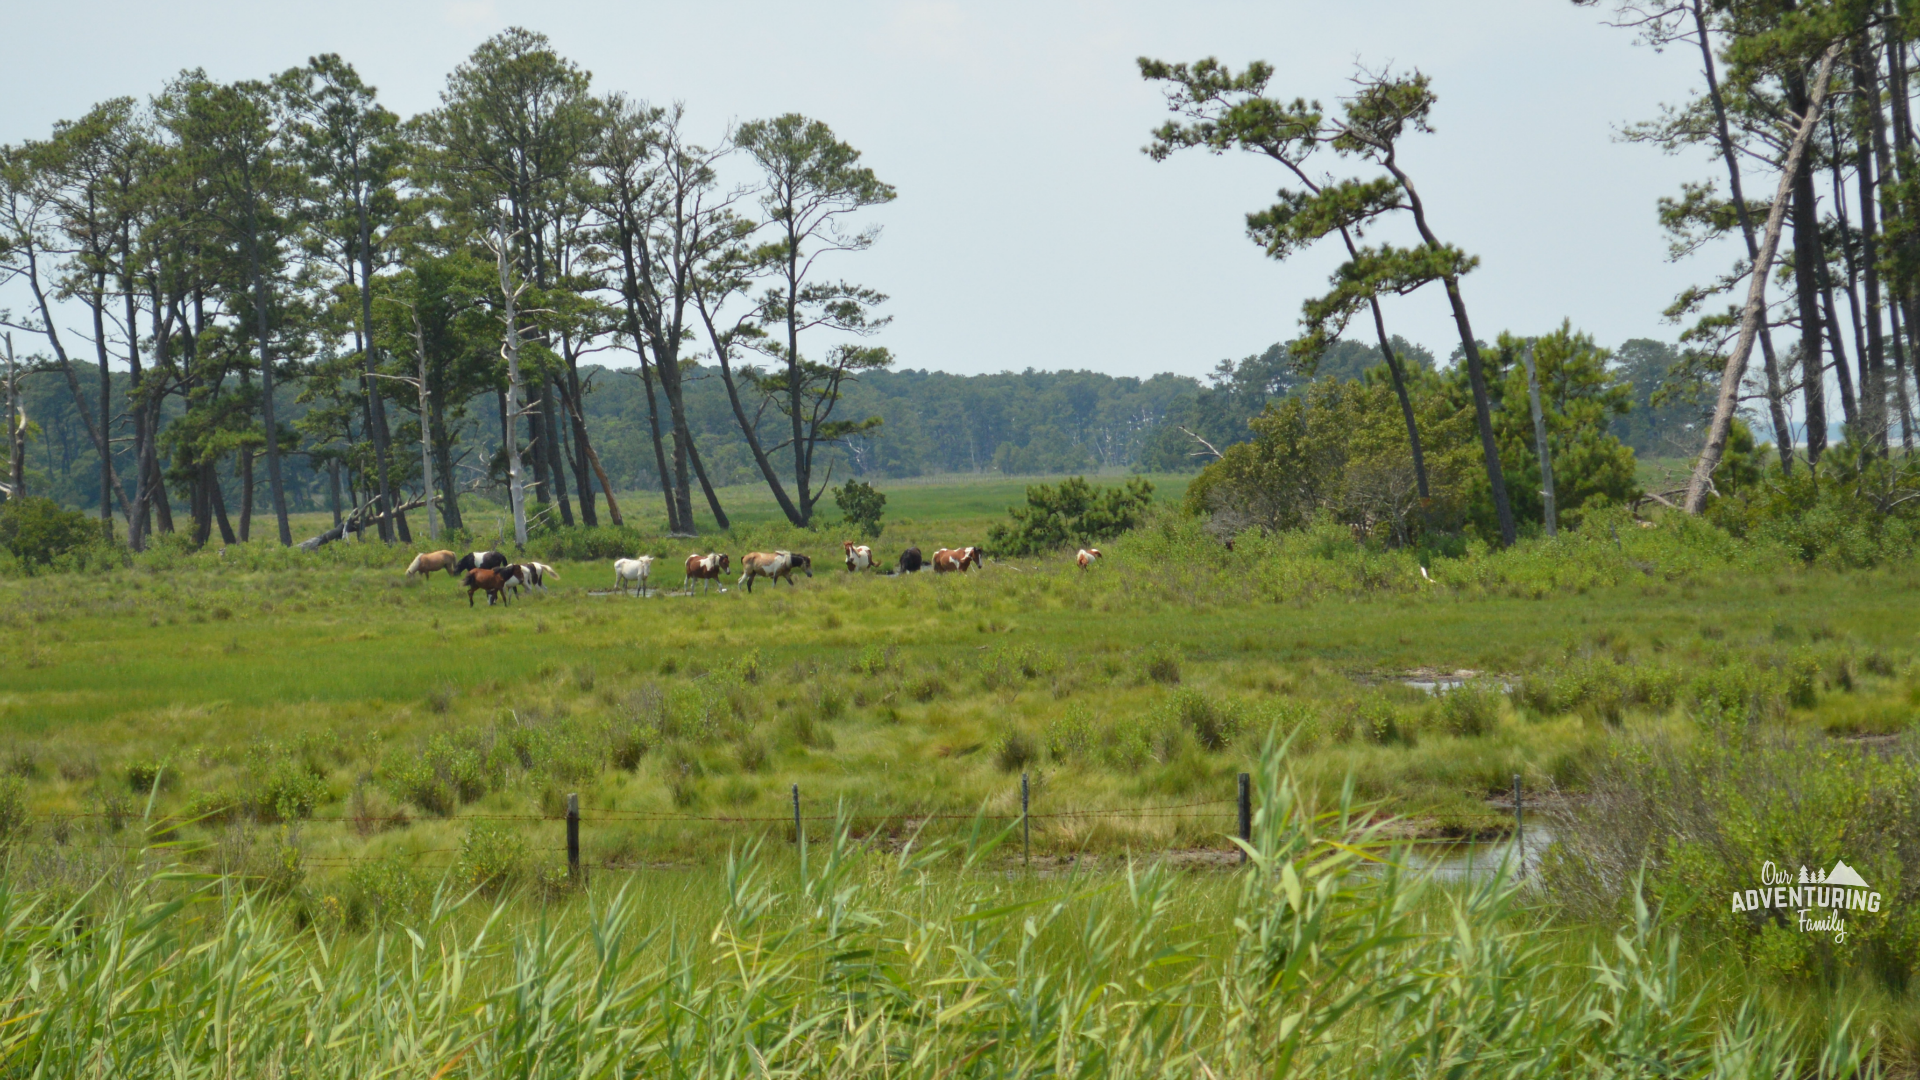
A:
[1026, 423]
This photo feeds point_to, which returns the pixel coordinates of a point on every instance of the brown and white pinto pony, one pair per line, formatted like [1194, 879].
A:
[532, 576]
[426, 563]
[493, 582]
[859, 556]
[956, 560]
[707, 568]
[773, 566]
[1086, 557]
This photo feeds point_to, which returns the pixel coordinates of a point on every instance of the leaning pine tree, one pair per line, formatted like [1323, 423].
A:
[1231, 110]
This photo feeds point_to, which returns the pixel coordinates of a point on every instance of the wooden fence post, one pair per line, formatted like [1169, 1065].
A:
[799, 836]
[1519, 830]
[573, 835]
[1246, 814]
[1026, 826]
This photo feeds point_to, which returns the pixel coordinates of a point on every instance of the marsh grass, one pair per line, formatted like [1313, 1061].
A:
[843, 959]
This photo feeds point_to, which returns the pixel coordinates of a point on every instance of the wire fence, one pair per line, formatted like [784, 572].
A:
[1212, 811]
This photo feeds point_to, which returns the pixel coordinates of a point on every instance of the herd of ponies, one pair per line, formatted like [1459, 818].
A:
[490, 571]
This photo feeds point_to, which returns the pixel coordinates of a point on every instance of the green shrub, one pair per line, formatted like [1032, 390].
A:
[1007, 666]
[284, 787]
[1070, 737]
[683, 772]
[1015, 750]
[380, 891]
[1162, 665]
[144, 774]
[1370, 718]
[1126, 746]
[438, 778]
[1074, 513]
[582, 544]
[1847, 513]
[877, 660]
[1704, 816]
[1215, 724]
[39, 531]
[861, 506]
[1467, 710]
[492, 857]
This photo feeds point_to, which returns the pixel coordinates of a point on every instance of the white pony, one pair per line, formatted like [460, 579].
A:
[625, 570]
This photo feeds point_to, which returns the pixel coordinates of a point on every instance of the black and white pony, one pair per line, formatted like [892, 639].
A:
[480, 560]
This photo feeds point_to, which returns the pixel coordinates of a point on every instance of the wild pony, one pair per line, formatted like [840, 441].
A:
[956, 560]
[859, 556]
[492, 581]
[1086, 557]
[532, 576]
[772, 566]
[625, 570]
[702, 569]
[480, 560]
[911, 561]
[425, 564]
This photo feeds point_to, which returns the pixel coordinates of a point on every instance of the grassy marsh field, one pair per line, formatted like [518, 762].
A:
[1147, 681]
[347, 753]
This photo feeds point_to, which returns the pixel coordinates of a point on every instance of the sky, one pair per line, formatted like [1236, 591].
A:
[1030, 230]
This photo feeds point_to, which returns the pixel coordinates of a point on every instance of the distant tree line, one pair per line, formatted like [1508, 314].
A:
[1025, 423]
[279, 290]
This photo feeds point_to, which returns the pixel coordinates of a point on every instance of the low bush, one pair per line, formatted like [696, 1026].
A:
[1214, 723]
[282, 785]
[1469, 709]
[145, 774]
[382, 891]
[40, 532]
[1008, 666]
[1072, 513]
[1070, 736]
[492, 857]
[1161, 664]
[1705, 817]
[1015, 750]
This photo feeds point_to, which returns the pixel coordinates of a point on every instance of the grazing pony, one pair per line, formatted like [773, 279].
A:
[956, 560]
[707, 568]
[425, 564]
[859, 556]
[532, 576]
[625, 570]
[911, 561]
[1086, 557]
[479, 560]
[493, 582]
[773, 566]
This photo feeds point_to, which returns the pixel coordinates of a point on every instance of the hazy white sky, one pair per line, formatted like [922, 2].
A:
[1030, 229]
